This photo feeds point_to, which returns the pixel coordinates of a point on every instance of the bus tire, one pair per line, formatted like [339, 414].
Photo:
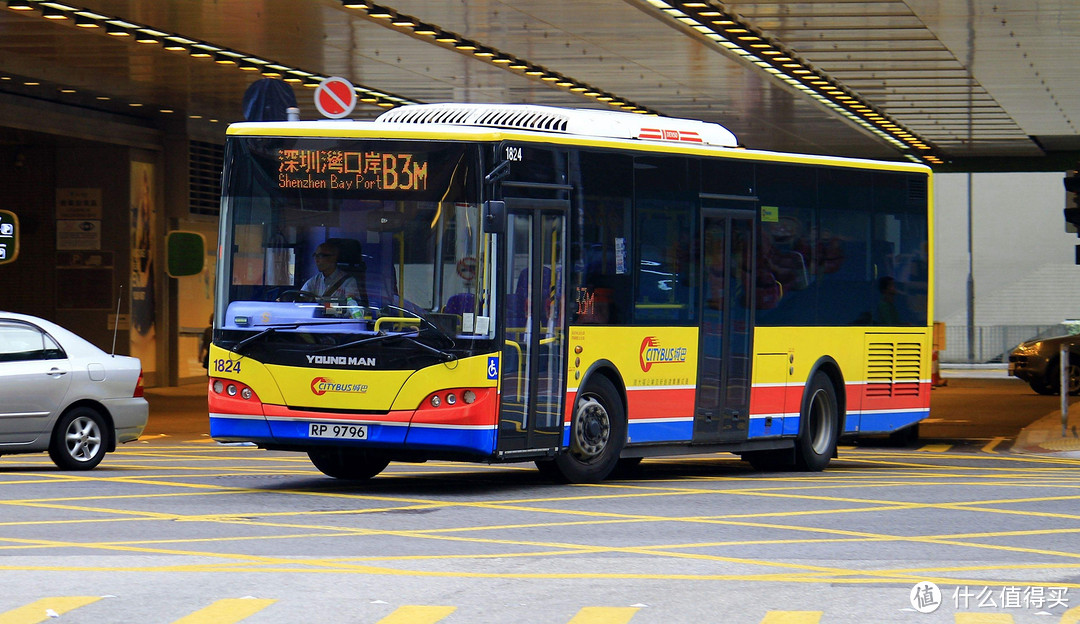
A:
[816, 444]
[597, 434]
[346, 463]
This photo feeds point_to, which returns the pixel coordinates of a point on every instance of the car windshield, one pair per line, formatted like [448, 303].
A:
[328, 241]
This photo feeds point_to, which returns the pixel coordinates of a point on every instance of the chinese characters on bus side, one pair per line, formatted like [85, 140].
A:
[349, 171]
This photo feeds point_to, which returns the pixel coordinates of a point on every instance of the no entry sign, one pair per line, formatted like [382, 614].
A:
[335, 97]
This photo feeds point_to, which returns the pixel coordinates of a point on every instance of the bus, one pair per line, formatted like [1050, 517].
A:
[576, 288]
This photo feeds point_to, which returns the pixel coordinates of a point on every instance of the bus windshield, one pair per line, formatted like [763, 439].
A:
[336, 248]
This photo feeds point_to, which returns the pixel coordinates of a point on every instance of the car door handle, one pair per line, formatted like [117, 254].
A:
[55, 371]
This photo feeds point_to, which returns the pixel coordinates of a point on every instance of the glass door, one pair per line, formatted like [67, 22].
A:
[532, 386]
[722, 412]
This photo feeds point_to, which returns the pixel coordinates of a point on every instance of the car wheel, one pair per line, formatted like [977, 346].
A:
[348, 464]
[1053, 377]
[79, 439]
[597, 434]
[1042, 387]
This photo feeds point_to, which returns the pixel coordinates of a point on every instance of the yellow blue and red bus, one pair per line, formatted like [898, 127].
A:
[575, 288]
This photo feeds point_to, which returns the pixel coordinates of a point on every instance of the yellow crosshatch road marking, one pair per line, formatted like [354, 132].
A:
[936, 448]
[39, 611]
[604, 615]
[814, 510]
[1072, 616]
[417, 614]
[983, 618]
[792, 617]
[226, 611]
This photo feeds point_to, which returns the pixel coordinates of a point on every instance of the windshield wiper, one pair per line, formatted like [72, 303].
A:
[252, 338]
[270, 329]
[356, 343]
[428, 325]
[443, 355]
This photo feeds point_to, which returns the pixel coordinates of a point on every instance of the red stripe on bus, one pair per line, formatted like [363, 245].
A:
[660, 402]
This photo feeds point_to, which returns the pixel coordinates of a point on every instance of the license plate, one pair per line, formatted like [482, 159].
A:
[345, 432]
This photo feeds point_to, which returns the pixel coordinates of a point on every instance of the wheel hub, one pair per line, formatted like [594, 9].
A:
[592, 429]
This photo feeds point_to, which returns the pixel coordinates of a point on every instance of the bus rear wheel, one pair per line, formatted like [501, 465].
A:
[816, 444]
[348, 464]
[597, 434]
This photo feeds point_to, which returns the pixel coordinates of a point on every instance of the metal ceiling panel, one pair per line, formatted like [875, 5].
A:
[973, 77]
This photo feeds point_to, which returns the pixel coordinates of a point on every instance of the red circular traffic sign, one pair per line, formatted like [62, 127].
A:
[335, 97]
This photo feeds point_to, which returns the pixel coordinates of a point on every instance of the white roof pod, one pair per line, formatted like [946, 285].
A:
[577, 121]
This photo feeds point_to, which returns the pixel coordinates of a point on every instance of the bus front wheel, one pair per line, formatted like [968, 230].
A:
[348, 464]
[816, 444]
[597, 434]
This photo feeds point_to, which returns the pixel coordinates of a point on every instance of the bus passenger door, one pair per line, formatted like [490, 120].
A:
[722, 411]
[532, 381]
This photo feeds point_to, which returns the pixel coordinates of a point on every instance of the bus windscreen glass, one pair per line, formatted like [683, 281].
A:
[333, 248]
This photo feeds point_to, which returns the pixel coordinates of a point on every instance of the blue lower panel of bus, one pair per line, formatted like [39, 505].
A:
[468, 440]
[886, 422]
[652, 431]
[479, 440]
[768, 427]
[297, 431]
[240, 428]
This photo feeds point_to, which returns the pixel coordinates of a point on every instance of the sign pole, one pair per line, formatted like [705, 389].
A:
[1063, 359]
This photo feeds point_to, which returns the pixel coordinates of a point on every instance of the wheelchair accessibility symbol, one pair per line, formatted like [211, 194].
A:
[493, 367]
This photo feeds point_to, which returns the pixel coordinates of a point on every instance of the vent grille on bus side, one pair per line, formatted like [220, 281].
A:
[892, 369]
[205, 161]
[479, 116]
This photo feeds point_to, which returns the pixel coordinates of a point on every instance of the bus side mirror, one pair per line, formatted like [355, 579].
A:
[186, 252]
[494, 217]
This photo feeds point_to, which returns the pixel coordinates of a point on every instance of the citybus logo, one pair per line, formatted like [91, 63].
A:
[652, 353]
[322, 385]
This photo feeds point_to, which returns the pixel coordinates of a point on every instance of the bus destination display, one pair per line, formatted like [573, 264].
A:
[349, 171]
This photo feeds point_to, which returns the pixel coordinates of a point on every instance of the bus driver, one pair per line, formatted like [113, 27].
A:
[331, 282]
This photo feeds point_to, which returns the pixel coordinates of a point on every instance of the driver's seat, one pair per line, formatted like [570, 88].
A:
[351, 261]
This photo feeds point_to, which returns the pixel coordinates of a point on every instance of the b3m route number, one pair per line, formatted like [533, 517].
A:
[347, 432]
[227, 366]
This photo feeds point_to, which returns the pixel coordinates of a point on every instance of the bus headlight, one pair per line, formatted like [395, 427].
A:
[436, 401]
[469, 396]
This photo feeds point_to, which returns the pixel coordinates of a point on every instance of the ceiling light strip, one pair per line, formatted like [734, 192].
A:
[432, 33]
[713, 22]
[222, 56]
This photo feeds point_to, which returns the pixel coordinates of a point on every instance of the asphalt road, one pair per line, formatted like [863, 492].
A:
[194, 532]
[983, 408]
[177, 528]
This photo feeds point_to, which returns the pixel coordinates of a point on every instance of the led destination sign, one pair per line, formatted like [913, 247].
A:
[351, 171]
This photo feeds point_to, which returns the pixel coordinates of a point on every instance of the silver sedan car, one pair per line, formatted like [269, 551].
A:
[61, 394]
